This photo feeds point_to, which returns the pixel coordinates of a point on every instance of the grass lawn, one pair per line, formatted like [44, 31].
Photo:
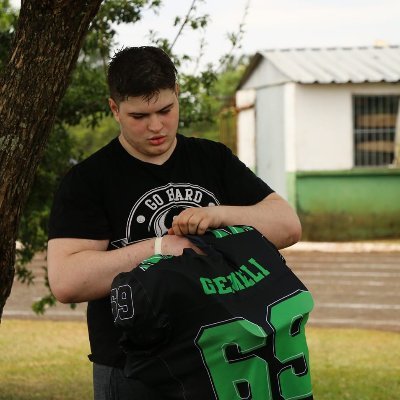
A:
[354, 364]
[44, 360]
[47, 360]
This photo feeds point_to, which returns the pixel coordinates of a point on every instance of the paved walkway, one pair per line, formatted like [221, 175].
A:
[19, 304]
[381, 246]
[353, 284]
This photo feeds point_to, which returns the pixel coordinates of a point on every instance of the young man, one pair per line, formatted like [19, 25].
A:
[112, 209]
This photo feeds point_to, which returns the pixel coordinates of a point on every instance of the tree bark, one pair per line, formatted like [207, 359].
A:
[44, 52]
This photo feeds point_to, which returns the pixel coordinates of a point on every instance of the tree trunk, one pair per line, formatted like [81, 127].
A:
[44, 52]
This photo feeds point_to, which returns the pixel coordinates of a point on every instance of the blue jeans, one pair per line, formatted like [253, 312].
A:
[101, 382]
[109, 383]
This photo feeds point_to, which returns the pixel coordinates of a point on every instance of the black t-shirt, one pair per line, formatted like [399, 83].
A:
[227, 325]
[114, 196]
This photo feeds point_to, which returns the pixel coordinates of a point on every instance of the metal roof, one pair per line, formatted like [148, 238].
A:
[333, 65]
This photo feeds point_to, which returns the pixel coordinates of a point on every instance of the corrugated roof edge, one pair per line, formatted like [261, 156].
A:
[330, 48]
[255, 60]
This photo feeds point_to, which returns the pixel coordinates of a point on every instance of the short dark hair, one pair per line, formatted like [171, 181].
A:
[140, 71]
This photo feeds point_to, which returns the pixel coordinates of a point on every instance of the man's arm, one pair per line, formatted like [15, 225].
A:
[273, 217]
[82, 270]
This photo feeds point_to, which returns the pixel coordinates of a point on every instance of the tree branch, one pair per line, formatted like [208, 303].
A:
[186, 20]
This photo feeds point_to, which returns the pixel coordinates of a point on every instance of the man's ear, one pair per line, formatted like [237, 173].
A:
[177, 88]
[114, 108]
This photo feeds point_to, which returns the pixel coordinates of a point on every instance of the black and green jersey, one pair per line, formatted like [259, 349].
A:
[227, 325]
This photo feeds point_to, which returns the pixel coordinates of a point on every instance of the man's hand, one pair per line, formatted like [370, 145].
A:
[196, 220]
[175, 244]
[273, 217]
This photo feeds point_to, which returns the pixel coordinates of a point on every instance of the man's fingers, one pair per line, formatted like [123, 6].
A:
[192, 224]
[192, 221]
[202, 227]
[177, 230]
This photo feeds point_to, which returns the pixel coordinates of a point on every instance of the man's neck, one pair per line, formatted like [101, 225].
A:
[157, 159]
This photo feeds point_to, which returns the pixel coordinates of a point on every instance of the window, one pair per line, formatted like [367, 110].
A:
[375, 119]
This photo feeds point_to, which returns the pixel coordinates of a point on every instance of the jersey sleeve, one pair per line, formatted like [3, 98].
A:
[77, 210]
[242, 186]
[143, 320]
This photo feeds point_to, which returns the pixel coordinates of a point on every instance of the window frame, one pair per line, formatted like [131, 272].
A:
[375, 119]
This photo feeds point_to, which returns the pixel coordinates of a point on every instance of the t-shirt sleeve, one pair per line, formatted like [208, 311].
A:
[77, 210]
[242, 186]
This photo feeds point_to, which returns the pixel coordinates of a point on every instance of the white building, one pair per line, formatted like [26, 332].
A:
[318, 124]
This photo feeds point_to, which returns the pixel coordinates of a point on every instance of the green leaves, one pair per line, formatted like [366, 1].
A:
[86, 97]
[32, 232]
[7, 16]
[8, 20]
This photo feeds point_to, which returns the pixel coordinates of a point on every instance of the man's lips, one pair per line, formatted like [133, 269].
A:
[157, 140]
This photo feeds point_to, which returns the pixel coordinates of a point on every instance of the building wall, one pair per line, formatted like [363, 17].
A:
[270, 140]
[246, 131]
[262, 145]
[323, 124]
[289, 132]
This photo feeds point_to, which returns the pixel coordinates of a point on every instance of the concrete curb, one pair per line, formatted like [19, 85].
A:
[347, 247]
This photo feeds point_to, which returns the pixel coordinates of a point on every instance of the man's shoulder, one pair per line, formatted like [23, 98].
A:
[94, 165]
[201, 144]
[106, 151]
[99, 157]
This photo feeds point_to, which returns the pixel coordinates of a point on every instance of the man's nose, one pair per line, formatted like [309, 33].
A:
[155, 124]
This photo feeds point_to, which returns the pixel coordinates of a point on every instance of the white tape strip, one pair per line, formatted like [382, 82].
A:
[157, 245]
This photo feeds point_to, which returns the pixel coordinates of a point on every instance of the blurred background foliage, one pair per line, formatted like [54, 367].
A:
[84, 123]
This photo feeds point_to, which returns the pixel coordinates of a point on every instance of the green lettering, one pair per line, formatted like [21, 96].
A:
[219, 282]
[153, 260]
[226, 375]
[219, 233]
[238, 280]
[236, 285]
[235, 229]
[208, 286]
[257, 278]
[247, 282]
[252, 261]
[291, 347]
[231, 230]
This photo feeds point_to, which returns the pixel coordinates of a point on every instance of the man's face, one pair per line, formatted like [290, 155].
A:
[148, 128]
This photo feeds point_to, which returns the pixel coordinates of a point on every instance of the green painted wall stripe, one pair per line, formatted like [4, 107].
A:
[354, 193]
[342, 205]
[351, 172]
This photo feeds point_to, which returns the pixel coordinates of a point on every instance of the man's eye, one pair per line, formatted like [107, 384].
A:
[137, 116]
[165, 111]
